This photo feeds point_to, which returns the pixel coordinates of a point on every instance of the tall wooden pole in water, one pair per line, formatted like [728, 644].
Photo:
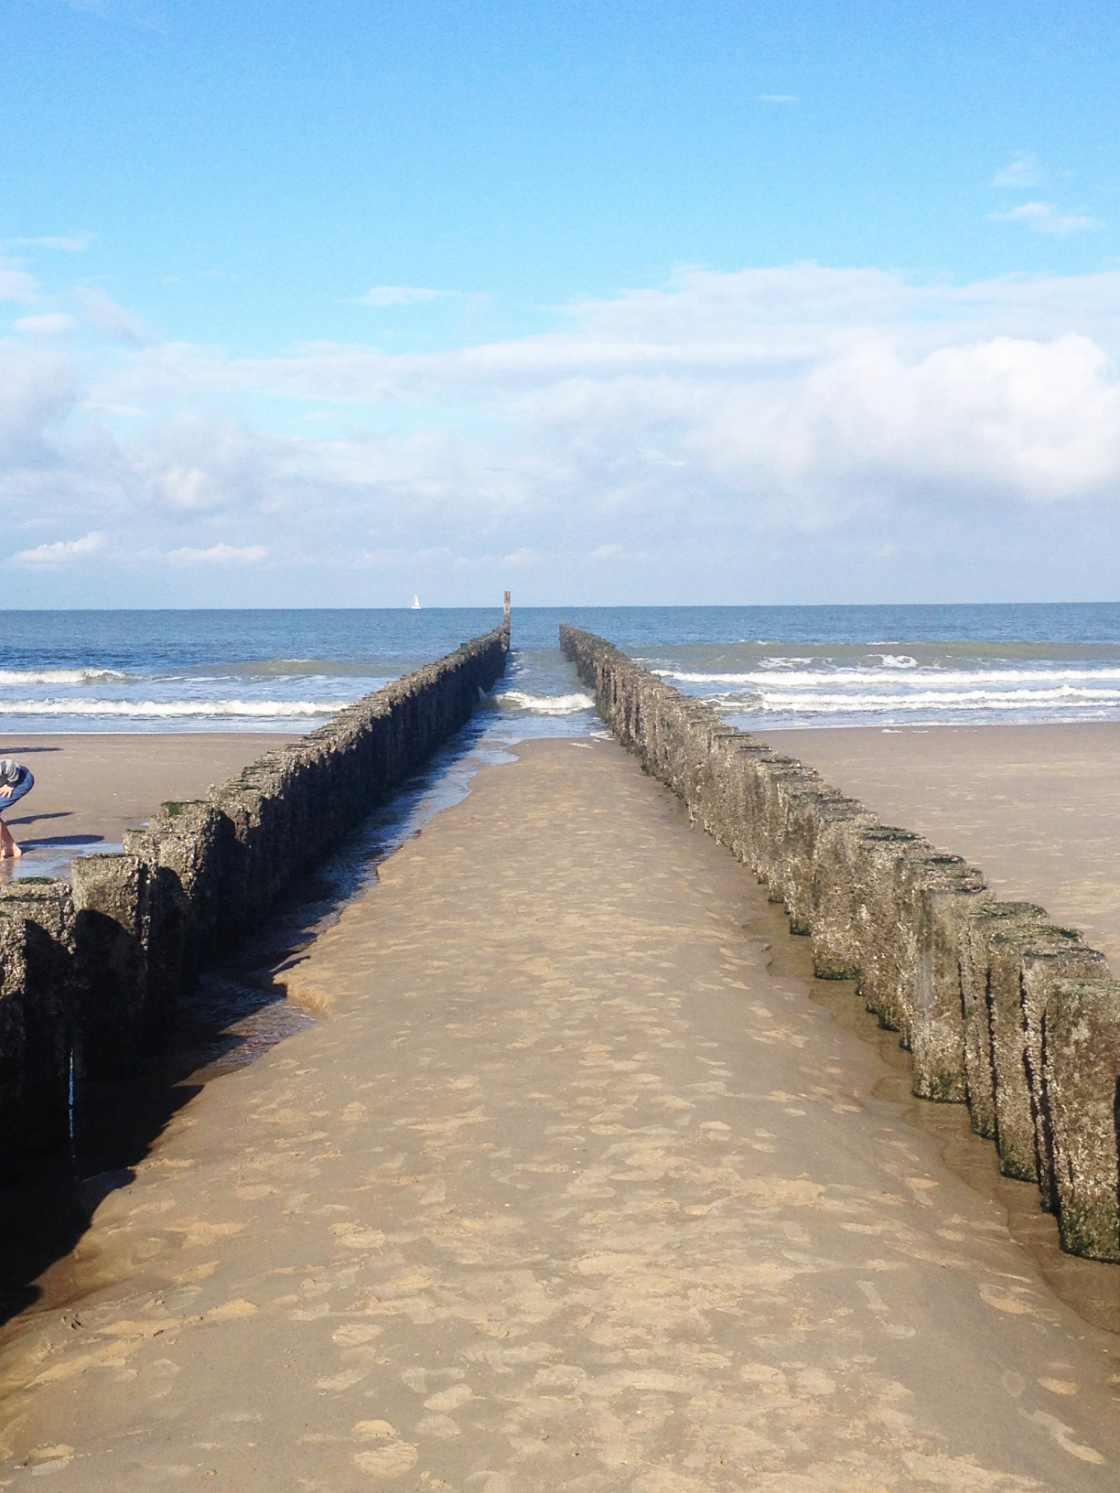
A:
[506, 608]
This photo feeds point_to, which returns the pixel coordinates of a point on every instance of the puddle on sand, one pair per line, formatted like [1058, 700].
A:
[54, 860]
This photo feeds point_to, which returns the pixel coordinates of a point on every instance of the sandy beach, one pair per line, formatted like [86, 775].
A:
[1036, 807]
[90, 788]
[570, 1187]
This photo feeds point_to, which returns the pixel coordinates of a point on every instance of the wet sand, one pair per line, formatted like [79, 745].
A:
[90, 788]
[1037, 807]
[571, 1188]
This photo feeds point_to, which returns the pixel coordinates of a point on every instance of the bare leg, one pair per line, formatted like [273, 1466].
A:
[9, 850]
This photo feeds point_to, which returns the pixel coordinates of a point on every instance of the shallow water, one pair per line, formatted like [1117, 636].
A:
[54, 861]
[237, 1013]
[228, 1025]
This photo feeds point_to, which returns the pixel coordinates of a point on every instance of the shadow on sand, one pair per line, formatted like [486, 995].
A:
[52, 842]
[35, 818]
[236, 1012]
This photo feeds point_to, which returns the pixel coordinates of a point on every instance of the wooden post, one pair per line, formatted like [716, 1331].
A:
[506, 608]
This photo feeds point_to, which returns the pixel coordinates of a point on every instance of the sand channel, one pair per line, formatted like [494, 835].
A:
[571, 1187]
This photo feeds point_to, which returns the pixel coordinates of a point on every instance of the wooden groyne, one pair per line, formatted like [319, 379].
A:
[93, 968]
[1000, 1008]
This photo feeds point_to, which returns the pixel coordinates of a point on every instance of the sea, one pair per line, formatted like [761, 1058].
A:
[789, 667]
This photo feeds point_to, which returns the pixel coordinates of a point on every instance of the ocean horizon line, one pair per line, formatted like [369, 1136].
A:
[605, 606]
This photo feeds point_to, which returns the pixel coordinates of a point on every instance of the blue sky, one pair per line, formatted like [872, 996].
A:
[606, 302]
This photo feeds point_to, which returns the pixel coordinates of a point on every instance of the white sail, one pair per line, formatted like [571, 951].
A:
[416, 603]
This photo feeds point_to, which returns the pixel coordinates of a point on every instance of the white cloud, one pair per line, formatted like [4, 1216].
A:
[714, 381]
[195, 466]
[51, 324]
[777, 98]
[62, 243]
[1010, 417]
[62, 551]
[1045, 217]
[118, 411]
[218, 554]
[102, 312]
[37, 393]
[16, 284]
[188, 488]
[718, 415]
[415, 560]
[399, 295]
[1022, 170]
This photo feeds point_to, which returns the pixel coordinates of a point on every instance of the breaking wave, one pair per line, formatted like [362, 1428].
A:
[516, 699]
[935, 699]
[59, 676]
[172, 709]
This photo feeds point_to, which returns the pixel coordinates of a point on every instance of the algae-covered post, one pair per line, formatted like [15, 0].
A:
[999, 1008]
[36, 1018]
[1042, 969]
[1081, 1067]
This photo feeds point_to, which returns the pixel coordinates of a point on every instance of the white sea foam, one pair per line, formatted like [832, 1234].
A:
[25, 677]
[898, 661]
[515, 699]
[760, 678]
[827, 704]
[925, 679]
[171, 709]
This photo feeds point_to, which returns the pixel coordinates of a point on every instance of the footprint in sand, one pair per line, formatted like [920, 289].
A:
[388, 1456]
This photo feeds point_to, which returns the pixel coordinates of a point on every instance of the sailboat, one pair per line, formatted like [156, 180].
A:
[416, 603]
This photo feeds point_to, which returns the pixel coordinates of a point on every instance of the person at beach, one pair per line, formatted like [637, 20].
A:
[15, 781]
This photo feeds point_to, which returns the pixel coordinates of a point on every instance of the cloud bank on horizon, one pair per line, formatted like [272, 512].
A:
[804, 429]
[796, 407]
